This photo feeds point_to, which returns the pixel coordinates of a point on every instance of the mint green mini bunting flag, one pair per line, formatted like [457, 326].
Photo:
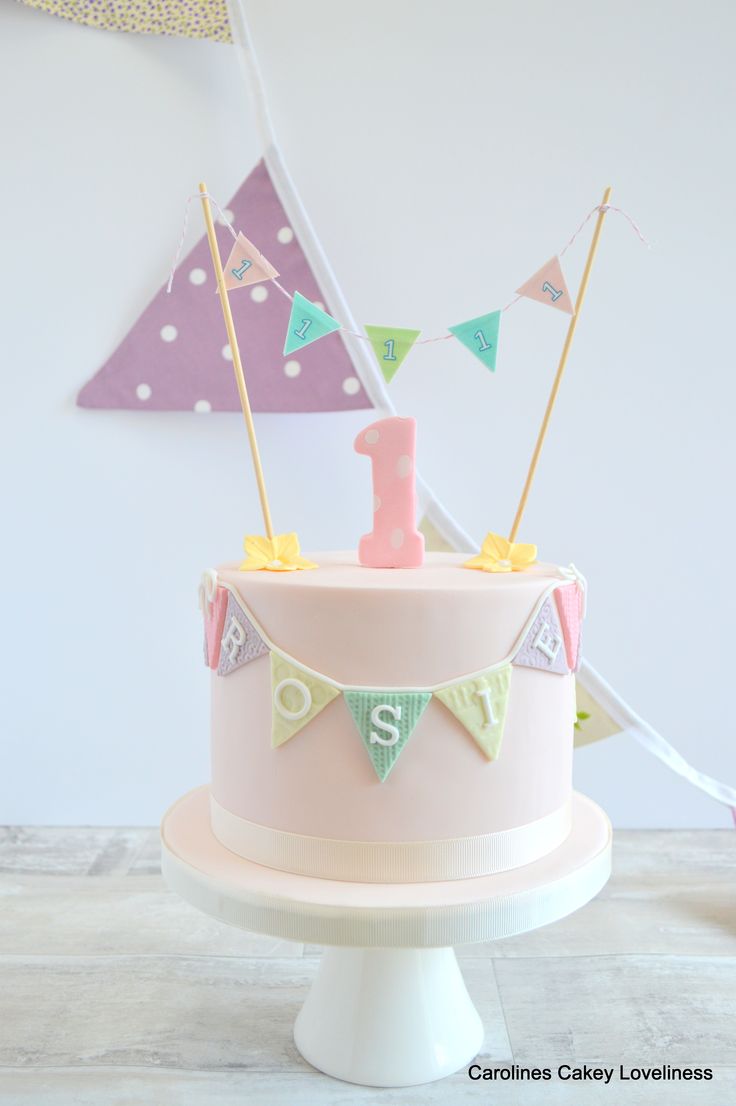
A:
[307, 323]
[480, 336]
[480, 704]
[386, 721]
[391, 345]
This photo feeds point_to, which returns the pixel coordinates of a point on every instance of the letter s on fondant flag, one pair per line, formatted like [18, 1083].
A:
[175, 357]
[386, 721]
[296, 698]
[480, 704]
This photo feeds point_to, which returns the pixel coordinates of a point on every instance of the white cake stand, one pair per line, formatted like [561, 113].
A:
[388, 1007]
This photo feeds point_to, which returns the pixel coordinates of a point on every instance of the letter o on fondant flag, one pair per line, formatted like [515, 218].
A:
[480, 704]
[386, 721]
[296, 698]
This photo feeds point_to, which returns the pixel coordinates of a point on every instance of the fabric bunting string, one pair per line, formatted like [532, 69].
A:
[308, 321]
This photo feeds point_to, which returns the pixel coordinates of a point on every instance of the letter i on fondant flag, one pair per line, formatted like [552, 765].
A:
[480, 704]
[296, 698]
[307, 323]
[391, 345]
[386, 721]
[548, 286]
[246, 265]
[480, 336]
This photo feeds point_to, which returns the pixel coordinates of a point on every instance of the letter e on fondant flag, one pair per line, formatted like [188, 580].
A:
[386, 721]
[548, 286]
[543, 645]
[480, 704]
[296, 698]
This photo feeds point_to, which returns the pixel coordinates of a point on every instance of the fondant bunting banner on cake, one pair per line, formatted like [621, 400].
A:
[480, 705]
[385, 722]
[297, 697]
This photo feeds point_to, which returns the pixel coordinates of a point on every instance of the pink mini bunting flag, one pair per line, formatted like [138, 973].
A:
[214, 621]
[247, 265]
[569, 600]
[176, 356]
[548, 286]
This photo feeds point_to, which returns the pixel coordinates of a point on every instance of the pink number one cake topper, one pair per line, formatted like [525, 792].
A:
[394, 541]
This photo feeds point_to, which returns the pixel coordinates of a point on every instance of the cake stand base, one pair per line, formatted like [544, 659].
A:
[388, 1006]
[388, 1017]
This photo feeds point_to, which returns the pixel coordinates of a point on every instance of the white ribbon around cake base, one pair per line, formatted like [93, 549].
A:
[391, 861]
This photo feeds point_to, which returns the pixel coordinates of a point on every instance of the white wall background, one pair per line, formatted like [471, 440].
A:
[444, 152]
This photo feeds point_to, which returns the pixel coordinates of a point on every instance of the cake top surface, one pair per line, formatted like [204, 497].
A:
[440, 571]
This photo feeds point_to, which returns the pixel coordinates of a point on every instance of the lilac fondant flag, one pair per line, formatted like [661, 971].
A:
[176, 356]
[544, 647]
[241, 642]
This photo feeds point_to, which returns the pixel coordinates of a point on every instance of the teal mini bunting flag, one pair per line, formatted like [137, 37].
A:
[386, 721]
[307, 323]
[480, 336]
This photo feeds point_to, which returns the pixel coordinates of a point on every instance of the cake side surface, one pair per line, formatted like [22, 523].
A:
[404, 629]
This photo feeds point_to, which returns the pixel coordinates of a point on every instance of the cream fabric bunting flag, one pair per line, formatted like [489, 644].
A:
[296, 698]
[480, 704]
[593, 723]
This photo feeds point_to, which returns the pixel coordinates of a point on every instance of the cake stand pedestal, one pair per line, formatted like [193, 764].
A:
[388, 1007]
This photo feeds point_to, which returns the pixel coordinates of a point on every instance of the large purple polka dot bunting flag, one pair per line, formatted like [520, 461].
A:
[176, 357]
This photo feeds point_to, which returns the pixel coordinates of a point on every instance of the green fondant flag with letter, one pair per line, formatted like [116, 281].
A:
[391, 345]
[386, 721]
[480, 704]
[296, 698]
[307, 323]
[480, 336]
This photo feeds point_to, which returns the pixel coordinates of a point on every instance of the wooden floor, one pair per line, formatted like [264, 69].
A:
[113, 991]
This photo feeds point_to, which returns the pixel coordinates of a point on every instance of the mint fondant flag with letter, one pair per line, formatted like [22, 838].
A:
[480, 704]
[548, 286]
[246, 265]
[307, 323]
[386, 721]
[480, 336]
[241, 642]
[391, 345]
[296, 698]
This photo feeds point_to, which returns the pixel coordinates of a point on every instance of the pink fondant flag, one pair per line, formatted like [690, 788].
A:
[548, 286]
[214, 621]
[569, 602]
[246, 265]
[176, 356]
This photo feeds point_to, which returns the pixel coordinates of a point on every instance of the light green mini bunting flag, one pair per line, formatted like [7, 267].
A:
[307, 323]
[391, 345]
[386, 721]
[480, 336]
[480, 704]
[296, 698]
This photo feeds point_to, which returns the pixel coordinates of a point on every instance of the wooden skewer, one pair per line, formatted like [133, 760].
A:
[561, 367]
[237, 363]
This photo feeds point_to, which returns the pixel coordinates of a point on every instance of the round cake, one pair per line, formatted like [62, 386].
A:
[392, 725]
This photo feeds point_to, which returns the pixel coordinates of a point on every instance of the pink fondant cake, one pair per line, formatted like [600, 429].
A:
[379, 725]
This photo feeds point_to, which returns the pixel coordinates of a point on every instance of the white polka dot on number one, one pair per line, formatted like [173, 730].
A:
[169, 333]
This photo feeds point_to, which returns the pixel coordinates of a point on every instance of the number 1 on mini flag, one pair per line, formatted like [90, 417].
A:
[480, 336]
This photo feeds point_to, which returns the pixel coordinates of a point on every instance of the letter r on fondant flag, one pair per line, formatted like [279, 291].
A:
[296, 698]
[548, 286]
[240, 642]
[386, 721]
[480, 704]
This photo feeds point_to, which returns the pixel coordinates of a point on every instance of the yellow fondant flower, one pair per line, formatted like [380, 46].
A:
[277, 554]
[501, 555]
